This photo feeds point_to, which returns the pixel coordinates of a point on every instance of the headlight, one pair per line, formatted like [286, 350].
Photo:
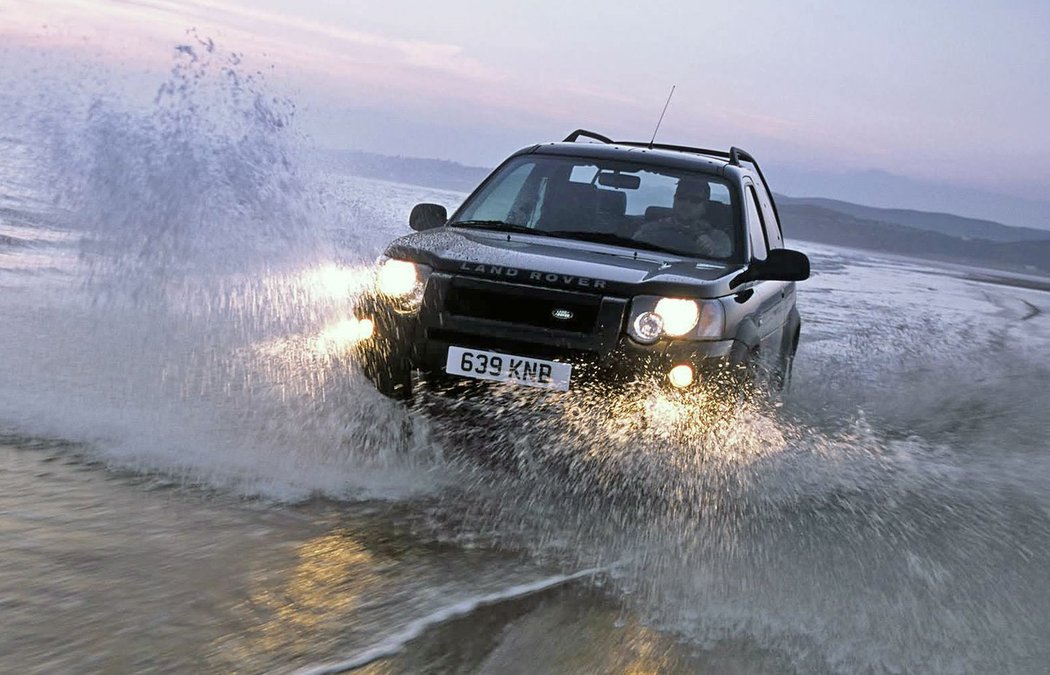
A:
[655, 317]
[403, 281]
[397, 278]
[679, 315]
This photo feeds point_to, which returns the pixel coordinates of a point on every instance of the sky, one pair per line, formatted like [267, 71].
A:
[950, 92]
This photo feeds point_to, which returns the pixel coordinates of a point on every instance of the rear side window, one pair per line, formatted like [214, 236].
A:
[755, 226]
[769, 220]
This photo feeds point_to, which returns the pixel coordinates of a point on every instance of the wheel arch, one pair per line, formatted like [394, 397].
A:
[745, 342]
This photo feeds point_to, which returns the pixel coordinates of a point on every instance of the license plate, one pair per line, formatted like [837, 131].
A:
[497, 367]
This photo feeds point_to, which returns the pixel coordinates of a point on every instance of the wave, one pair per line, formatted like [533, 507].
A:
[396, 642]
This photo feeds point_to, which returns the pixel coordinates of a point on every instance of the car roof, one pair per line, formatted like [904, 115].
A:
[663, 157]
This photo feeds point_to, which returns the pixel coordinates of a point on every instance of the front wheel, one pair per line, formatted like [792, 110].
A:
[385, 357]
[781, 376]
[755, 374]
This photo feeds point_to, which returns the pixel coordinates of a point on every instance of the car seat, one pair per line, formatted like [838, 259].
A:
[569, 206]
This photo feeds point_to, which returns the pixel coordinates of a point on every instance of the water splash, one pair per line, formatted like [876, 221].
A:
[907, 539]
[211, 283]
[205, 181]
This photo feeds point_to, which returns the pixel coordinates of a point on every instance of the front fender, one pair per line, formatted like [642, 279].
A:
[385, 358]
[745, 342]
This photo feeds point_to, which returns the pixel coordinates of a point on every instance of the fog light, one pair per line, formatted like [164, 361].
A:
[681, 376]
[365, 328]
[348, 332]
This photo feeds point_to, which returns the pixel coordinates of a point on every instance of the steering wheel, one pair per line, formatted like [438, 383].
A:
[672, 228]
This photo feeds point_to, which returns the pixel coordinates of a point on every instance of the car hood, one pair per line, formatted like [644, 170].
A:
[564, 263]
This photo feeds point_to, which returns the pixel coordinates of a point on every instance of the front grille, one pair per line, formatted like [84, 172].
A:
[509, 346]
[513, 304]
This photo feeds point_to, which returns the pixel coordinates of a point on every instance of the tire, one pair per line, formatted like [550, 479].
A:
[741, 380]
[785, 367]
[757, 376]
[385, 358]
[783, 376]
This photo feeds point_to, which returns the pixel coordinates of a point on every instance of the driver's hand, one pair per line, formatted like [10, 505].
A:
[715, 243]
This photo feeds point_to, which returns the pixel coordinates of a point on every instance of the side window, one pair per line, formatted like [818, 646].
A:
[769, 218]
[755, 226]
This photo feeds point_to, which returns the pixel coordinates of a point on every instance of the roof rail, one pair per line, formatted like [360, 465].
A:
[735, 154]
[571, 138]
[678, 148]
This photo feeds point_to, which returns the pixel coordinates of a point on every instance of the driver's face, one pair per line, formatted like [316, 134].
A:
[690, 205]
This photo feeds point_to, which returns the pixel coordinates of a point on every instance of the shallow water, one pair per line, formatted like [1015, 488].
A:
[196, 477]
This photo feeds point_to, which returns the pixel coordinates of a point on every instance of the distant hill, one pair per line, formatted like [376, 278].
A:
[891, 191]
[945, 223]
[436, 173]
[827, 226]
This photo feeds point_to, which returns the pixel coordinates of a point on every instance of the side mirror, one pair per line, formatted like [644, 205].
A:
[782, 264]
[427, 217]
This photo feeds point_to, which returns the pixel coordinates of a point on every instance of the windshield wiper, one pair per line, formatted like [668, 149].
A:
[498, 225]
[609, 238]
[599, 237]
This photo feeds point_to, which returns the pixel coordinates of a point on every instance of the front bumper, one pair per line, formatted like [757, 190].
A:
[596, 346]
[626, 361]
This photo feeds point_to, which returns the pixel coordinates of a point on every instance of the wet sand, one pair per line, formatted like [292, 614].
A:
[112, 571]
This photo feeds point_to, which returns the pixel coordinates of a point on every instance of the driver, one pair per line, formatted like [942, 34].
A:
[688, 228]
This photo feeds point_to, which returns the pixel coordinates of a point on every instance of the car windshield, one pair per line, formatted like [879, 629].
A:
[637, 206]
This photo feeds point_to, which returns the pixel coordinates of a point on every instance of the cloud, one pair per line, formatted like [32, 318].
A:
[294, 32]
[335, 60]
[335, 65]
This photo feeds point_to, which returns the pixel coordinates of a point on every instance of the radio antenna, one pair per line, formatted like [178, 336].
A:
[660, 121]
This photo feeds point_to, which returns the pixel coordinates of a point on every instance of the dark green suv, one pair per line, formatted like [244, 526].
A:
[578, 262]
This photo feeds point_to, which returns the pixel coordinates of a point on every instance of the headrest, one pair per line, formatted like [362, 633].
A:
[612, 202]
[657, 212]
